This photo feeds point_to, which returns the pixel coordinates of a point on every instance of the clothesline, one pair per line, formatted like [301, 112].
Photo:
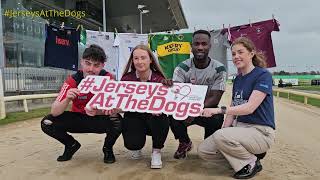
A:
[169, 48]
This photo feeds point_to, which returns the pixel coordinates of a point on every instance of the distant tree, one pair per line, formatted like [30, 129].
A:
[313, 73]
[284, 73]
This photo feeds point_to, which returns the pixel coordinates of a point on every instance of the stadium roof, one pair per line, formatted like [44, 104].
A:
[164, 15]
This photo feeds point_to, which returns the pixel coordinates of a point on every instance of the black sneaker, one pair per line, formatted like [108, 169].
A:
[247, 172]
[182, 150]
[259, 165]
[109, 156]
[69, 152]
[261, 156]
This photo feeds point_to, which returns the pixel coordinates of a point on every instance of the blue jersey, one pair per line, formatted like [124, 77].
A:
[61, 48]
[258, 79]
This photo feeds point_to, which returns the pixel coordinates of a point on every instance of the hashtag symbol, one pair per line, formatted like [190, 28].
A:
[87, 84]
[7, 13]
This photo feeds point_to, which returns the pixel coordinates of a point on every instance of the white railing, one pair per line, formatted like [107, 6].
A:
[24, 98]
[305, 95]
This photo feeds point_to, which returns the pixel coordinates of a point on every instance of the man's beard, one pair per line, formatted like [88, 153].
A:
[201, 57]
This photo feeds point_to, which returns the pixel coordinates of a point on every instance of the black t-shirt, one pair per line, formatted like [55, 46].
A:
[61, 47]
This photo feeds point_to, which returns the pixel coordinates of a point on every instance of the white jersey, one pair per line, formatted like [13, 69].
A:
[105, 40]
[125, 43]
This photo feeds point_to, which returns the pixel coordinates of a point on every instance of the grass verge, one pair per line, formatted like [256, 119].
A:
[307, 88]
[297, 98]
[20, 116]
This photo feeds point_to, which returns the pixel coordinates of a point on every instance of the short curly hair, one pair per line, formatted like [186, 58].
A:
[94, 53]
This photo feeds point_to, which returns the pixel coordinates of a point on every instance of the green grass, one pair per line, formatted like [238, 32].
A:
[297, 98]
[20, 116]
[308, 88]
[314, 102]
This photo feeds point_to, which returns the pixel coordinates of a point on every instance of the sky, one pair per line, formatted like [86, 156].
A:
[296, 45]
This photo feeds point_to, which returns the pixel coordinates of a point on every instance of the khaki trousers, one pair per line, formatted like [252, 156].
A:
[237, 144]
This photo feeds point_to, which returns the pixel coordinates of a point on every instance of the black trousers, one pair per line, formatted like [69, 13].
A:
[136, 126]
[72, 122]
[210, 125]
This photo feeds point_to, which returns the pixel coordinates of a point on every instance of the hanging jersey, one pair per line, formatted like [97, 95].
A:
[172, 49]
[260, 34]
[125, 43]
[105, 40]
[61, 48]
[83, 37]
[219, 45]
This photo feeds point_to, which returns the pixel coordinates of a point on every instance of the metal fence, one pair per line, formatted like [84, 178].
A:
[23, 79]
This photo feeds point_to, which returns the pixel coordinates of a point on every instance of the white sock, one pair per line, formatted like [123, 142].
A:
[253, 162]
[156, 150]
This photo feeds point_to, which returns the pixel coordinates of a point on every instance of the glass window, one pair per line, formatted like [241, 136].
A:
[24, 37]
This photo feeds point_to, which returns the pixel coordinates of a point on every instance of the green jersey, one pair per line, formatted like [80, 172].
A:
[172, 49]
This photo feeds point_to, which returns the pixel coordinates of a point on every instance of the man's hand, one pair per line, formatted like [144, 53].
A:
[112, 112]
[91, 111]
[208, 112]
[167, 82]
[72, 93]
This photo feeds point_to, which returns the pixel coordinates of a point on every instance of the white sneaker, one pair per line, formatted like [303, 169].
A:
[156, 162]
[137, 154]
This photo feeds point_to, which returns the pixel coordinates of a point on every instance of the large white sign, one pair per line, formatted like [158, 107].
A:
[181, 100]
[105, 40]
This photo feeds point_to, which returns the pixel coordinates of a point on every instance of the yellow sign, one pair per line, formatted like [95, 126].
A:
[173, 48]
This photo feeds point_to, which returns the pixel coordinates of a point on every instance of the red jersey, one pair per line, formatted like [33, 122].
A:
[79, 103]
[260, 35]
